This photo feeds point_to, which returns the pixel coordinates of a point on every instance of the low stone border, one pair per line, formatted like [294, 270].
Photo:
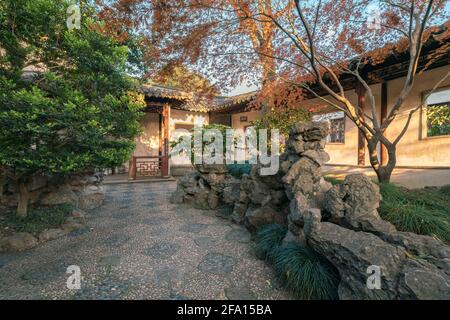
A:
[21, 241]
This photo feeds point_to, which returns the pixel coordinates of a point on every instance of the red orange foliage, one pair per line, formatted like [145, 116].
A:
[287, 46]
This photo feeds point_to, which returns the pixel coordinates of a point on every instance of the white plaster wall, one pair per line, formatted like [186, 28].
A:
[147, 144]
[415, 149]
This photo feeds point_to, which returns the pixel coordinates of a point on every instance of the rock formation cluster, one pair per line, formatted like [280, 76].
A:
[339, 222]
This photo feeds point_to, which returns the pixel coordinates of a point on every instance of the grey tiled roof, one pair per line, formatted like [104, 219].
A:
[191, 102]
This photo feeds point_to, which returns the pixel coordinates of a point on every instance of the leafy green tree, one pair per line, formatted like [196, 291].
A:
[283, 121]
[186, 144]
[76, 110]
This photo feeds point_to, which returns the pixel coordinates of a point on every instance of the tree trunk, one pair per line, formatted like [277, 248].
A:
[268, 78]
[24, 196]
[383, 172]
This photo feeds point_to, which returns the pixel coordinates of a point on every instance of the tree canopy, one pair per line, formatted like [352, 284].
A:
[295, 49]
[66, 103]
[181, 77]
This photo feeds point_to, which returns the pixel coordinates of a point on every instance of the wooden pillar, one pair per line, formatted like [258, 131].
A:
[361, 92]
[384, 96]
[132, 169]
[165, 141]
[161, 135]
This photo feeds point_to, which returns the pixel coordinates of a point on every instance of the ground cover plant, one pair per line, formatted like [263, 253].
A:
[37, 220]
[300, 269]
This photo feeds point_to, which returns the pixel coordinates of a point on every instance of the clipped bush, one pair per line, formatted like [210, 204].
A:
[305, 273]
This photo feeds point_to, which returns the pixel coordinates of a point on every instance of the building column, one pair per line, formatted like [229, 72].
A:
[361, 92]
[161, 137]
[165, 170]
[383, 115]
[132, 169]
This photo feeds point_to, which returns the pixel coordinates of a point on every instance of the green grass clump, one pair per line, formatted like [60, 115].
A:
[38, 219]
[301, 270]
[305, 273]
[268, 239]
[237, 170]
[421, 211]
[445, 191]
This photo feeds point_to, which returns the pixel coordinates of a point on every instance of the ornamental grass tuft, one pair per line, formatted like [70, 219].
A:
[422, 211]
[306, 274]
[268, 239]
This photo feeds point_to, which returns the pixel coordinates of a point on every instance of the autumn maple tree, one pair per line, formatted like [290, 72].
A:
[214, 37]
[179, 76]
[294, 49]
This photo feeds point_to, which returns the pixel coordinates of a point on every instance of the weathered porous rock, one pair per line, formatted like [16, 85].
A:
[354, 204]
[256, 217]
[203, 189]
[83, 180]
[177, 197]
[231, 191]
[262, 200]
[19, 241]
[303, 180]
[37, 182]
[354, 201]
[239, 210]
[403, 275]
[76, 221]
[342, 224]
[421, 245]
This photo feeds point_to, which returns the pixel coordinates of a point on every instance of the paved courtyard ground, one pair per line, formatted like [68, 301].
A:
[139, 246]
[408, 177]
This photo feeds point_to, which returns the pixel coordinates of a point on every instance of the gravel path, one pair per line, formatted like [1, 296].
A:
[139, 246]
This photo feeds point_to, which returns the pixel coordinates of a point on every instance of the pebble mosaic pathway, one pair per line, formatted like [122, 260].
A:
[139, 246]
